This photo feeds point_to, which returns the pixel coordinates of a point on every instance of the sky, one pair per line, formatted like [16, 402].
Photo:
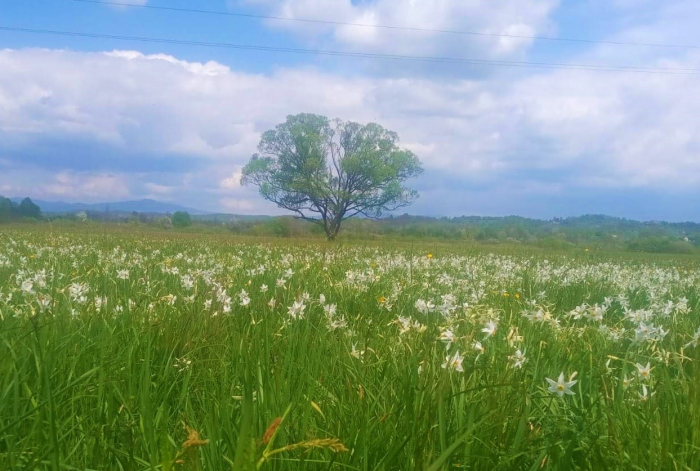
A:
[95, 119]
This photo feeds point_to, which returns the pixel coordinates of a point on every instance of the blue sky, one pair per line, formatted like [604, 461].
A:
[89, 119]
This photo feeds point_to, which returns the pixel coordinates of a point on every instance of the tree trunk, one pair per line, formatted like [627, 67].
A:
[332, 232]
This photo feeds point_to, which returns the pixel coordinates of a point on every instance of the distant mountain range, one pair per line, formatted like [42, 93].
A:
[140, 206]
[155, 208]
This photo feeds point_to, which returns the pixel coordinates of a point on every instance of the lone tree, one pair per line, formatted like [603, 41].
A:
[27, 209]
[181, 219]
[327, 171]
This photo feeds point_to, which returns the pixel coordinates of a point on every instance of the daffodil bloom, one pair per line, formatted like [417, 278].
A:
[518, 359]
[643, 332]
[355, 352]
[27, 286]
[448, 337]
[644, 396]
[644, 372]
[596, 313]
[560, 386]
[187, 282]
[454, 362]
[330, 309]
[44, 302]
[244, 298]
[694, 341]
[625, 382]
[338, 323]
[296, 310]
[489, 329]
[608, 369]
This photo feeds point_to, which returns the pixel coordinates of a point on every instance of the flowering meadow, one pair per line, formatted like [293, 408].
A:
[164, 351]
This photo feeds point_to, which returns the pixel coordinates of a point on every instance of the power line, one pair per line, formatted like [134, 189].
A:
[365, 55]
[390, 27]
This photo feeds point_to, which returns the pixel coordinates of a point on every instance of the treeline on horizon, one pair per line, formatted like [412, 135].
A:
[583, 231]
[11, 211]
[561, 233]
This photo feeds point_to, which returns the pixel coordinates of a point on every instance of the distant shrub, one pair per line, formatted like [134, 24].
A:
[165, 223]
[659, 245]
[181, 219]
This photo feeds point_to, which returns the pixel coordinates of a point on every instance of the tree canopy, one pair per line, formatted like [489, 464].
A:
[327, 171]
[181, 219]
[25, 209]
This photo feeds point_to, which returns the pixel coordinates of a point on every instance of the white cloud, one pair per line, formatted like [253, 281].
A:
[159, 190]
[512, 17]
[581, 128]
[232, 182]
[239, 206]
[76, 186]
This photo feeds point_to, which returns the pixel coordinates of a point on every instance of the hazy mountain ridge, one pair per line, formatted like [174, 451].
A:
[147, 206]
[587, 221]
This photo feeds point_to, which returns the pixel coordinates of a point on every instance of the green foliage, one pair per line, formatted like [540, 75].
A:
[592, 232]
[10, 211]
[6, 209]
[181, 219]
[149, 370]
[660, 245]
[585, 232]
[27, 209]
[325, 172]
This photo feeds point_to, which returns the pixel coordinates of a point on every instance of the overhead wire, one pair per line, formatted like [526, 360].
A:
[365, 55]
[379, 26]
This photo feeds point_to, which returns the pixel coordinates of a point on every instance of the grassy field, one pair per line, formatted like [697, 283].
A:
[151, 351]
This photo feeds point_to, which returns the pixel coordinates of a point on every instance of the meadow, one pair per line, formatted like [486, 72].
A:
[132, 351]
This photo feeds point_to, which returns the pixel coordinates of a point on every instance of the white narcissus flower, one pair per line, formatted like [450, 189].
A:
[78, 291]
[338, 323]
[517, 359]
[694, 341]
[243, 298]
[330, 309]
[187, 282]
[28, 286]
[561, 386]
[448, 337]
[422, 306]
[644, 372]
[454, 362]
[489, 329]
[356, 353]
[596, 313]
[296, 310]
[644, 395]
[626, 382]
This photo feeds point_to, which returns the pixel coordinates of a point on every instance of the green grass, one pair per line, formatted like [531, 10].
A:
[123, 383]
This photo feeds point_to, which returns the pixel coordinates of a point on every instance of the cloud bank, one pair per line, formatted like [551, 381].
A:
[113, 125]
